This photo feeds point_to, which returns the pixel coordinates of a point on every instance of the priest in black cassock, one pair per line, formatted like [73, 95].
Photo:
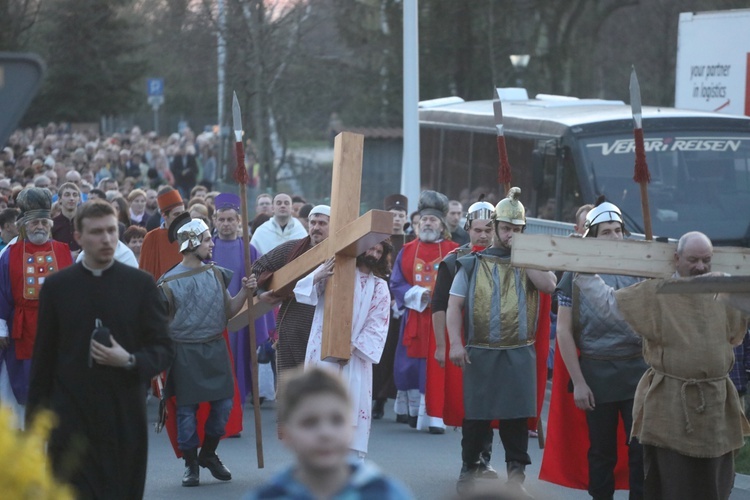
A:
[97, 389]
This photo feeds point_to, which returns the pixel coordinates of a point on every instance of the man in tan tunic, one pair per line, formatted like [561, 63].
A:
[687, 413]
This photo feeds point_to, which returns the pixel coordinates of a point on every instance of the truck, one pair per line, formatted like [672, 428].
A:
[566, 152]
[713, 61]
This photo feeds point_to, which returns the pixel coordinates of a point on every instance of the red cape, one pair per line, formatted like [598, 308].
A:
[234, 424]
[449, 404]
[565, 461]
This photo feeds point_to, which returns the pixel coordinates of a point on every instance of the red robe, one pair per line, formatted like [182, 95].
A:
[158, 255]
[565, 460]
[234, 424]
[29, 265]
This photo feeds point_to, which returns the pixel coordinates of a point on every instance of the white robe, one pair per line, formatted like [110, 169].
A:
[372, 303]
[269, 235]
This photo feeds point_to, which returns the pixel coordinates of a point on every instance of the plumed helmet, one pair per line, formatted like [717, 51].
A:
[604, 211]
[34, 203]
[433, 203]
[478, 210]
[510, 209]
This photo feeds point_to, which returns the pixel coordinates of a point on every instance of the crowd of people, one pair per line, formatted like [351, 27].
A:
[443, 325]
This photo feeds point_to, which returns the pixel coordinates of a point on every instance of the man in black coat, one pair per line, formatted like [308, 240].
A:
[184, 167]
[97, 388]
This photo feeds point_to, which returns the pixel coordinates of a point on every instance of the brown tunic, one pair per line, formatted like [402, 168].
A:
[294, 319]
[685, 401]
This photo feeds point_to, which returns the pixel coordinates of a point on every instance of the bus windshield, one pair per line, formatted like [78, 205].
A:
[700, 181]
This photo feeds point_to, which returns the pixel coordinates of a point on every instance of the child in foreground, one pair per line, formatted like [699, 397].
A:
[314, 419]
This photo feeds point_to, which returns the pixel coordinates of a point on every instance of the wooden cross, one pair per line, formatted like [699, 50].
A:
[649, 259]
[348, 236]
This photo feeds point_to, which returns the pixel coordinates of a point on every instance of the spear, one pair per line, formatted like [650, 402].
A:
[641, 175]
[241, 176]
[504, 175]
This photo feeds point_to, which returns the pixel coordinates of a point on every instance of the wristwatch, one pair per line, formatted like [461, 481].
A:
[131, 363]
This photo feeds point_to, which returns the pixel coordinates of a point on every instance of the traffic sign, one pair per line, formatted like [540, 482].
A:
[155, 87]
[156, 100]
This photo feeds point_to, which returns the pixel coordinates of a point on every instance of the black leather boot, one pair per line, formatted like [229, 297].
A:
[210, 460]
[516, 477]
[378, 409]
[466, 478]
[191, 477]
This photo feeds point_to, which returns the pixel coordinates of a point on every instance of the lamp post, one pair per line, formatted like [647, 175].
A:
[519, 62]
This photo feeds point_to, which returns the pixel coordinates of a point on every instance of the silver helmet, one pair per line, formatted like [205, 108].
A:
[603, 212]
[478, 210]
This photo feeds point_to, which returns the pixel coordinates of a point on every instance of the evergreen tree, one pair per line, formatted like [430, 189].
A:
[94, 64]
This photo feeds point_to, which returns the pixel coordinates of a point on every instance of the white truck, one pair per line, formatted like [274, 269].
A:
[713, 62]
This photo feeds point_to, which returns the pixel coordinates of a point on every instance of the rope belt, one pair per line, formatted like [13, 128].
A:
[686, 382]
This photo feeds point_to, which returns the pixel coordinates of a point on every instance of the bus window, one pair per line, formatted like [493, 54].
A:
[699, 181]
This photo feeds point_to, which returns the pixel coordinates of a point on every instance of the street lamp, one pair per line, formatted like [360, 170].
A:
[519, 62]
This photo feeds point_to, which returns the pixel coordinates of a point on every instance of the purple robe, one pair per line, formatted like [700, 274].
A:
[231, 255]
[18, 369]
[409, 373]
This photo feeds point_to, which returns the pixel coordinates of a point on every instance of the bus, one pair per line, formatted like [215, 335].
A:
[565, 152]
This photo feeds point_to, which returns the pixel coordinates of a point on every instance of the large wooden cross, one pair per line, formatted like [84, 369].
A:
[348, 237]
[649, 259]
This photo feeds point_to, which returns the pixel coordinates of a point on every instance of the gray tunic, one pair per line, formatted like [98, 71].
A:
[500, 382]
[197, 301]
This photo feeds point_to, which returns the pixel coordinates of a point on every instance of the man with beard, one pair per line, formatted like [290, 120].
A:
[383, 384]
[95, 386]
[369, 330]
[200, 306]
[69, 196]
[687, 413]
[158, 253]
[229, 253]
[294, 319]
[412, 281]
[496, 306]
[24, 266]
[281, 228]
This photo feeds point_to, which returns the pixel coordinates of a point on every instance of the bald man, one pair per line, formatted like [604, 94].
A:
[280, 228]
[687, 413]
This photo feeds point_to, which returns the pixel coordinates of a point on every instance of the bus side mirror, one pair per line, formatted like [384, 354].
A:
[537, 169]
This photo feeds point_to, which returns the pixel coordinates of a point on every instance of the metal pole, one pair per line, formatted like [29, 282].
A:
[221, 57]
[156, 119]
[410, 166]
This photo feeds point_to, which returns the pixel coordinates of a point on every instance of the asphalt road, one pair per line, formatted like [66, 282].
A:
[426, 464]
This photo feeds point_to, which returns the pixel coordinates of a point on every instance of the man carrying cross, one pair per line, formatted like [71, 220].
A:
[687, 413]
[370, 318]
[294, 319]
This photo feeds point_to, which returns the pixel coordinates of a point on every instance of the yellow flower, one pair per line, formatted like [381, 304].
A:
[26, 471]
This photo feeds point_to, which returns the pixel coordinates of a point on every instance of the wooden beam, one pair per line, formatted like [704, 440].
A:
[648, 259]
[346, 188]
[706, 284]
[356, 238]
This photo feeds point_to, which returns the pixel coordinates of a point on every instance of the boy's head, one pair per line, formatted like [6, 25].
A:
[315, 419]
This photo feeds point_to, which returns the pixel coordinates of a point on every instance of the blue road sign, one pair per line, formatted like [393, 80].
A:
[155, 87]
